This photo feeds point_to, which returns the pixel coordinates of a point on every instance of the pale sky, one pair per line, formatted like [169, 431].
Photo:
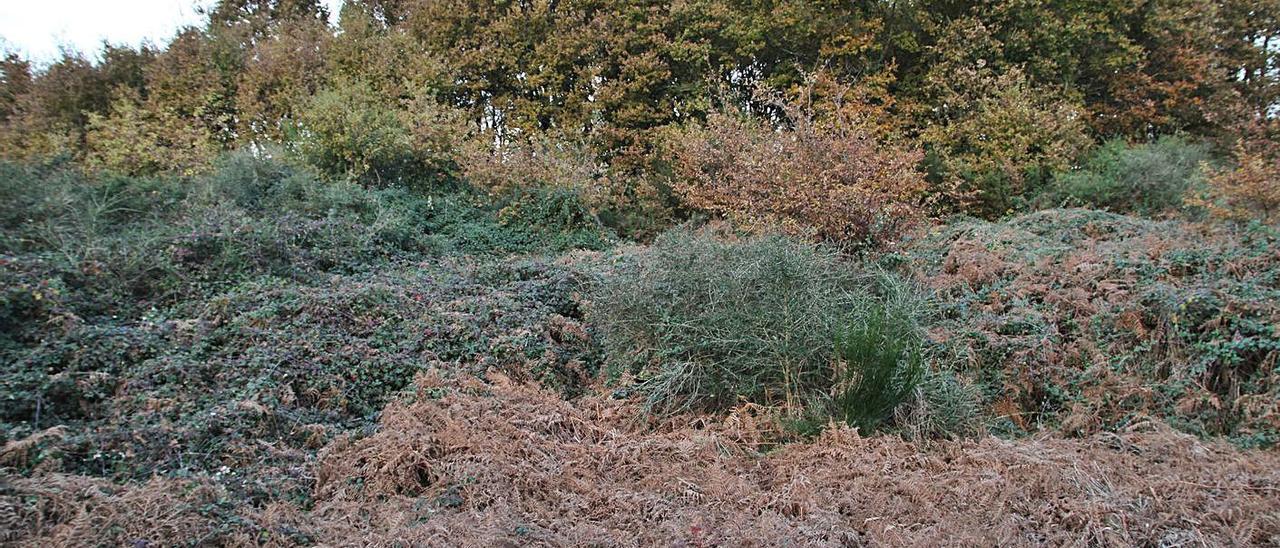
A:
[36, 28]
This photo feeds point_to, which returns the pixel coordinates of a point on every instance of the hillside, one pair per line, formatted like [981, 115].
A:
[250, 360]
[634, 273]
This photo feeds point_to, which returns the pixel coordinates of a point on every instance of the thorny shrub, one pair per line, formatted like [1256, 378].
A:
[701, 322]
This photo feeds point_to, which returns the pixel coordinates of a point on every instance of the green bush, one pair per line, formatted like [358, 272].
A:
[881, 358]
[1146, 179]
[349, 132]
[703, 322]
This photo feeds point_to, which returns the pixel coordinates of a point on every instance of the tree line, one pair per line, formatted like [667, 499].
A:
[987, 99]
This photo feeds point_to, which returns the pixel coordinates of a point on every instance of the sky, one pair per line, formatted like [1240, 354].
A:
[36, 29]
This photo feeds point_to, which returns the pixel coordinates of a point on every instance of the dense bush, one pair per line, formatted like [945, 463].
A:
[349, 131]
[139, 139]
[829, 179]
[994, 135]
[518, 168]
[283, 361]
[1145, 179]
[944, 405]
[117, 245]
[700, 322]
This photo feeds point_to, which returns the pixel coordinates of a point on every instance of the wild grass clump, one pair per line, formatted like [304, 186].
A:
[881, 360]
[705, 323]
[944, 405]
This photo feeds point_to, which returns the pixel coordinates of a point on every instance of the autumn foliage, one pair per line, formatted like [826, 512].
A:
[828, 178]
[999, 94]
[635, 272]
[1251, 190]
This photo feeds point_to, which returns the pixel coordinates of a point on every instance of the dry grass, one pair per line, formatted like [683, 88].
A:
[503, 464]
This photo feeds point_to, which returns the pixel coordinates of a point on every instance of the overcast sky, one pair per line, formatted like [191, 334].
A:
[36, 28]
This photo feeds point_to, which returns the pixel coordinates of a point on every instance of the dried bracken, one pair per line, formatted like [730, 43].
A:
[497, 463]
[1099, 320]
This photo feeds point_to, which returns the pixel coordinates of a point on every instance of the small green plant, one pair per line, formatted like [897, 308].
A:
[880, 360]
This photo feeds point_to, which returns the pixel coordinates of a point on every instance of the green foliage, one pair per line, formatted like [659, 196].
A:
[348, 131]
[996, 134]
[1145, 179]
[701, 322]
[559, 214]
[140, 140]
[126, 244]
[260, 303]
[882, 360]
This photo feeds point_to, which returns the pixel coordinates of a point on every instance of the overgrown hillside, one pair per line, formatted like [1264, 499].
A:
[625, 273]
[244, 357]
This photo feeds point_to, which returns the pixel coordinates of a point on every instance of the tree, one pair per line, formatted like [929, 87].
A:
[280, 73]
[15, 82]
[139, 139]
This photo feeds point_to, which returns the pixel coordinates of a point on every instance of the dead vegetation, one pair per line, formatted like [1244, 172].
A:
[498, 463]
[1089, 321]
[414, 383]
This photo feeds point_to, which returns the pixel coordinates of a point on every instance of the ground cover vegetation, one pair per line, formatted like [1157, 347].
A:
[633, 273]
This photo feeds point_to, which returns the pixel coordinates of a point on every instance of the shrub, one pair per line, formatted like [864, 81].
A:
[251, 180]
[348, 131]
[1146, 179]
[633, 205]
[829, 179]
[702, 322]
[558, 215]
[532, 163]
[995, 134]
[141, 139]
[880, 362]
[1249, 191]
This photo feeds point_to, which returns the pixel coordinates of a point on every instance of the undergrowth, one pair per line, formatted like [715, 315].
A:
[707, 322]
[1086, 320]
[240, 319]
